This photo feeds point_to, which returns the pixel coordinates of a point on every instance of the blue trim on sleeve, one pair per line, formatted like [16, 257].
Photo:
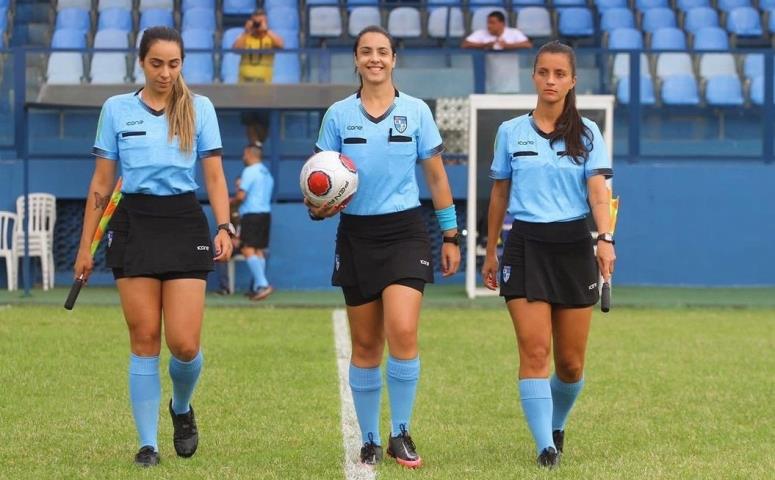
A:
[98, 152]
[432, 152]
[606, 172]
[211, 153]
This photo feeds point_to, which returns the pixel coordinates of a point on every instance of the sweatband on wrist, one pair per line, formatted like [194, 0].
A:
[447, 218]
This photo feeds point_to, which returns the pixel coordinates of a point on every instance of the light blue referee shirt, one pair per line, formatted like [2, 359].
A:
[546, 185]
[257, 183]
[384, 150]
[136, 135]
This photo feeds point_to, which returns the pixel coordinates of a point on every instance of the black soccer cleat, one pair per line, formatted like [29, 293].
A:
[559, 439]
[549, 458]
[401, 447]
[147, 457]
[371, 453]
[185, 437]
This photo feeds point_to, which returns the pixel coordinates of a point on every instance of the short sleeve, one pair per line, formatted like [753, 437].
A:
[429, 141]
[209, 139]
[598, 162]
[477, 36]
[105, 144]
[501, 159]
[515, 36]
[247, 179]
[328, 136]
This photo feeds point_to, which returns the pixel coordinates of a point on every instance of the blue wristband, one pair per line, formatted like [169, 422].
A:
[447, 218]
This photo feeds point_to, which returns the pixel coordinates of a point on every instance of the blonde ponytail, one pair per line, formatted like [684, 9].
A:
[181, 115]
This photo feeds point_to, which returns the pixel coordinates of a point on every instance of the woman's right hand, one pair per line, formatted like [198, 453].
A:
[84, 264]
[323, 212]
[490, 271]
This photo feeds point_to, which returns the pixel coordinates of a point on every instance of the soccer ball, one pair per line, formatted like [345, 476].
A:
[328, 179]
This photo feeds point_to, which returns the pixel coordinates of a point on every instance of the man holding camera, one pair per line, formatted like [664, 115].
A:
[257, 67]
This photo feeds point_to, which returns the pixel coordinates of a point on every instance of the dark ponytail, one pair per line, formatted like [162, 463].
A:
[373, 29]
[569, 126]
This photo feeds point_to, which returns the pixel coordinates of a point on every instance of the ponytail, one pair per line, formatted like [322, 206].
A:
[181, 115]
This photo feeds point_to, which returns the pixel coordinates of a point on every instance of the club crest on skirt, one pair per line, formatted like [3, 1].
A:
[506, 273]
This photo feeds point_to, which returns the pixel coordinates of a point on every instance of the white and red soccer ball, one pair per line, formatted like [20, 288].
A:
[328, 179]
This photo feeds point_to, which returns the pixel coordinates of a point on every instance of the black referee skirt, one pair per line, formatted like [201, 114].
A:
[254, 230]
[550, 262]
[163, 237]
[375, 251]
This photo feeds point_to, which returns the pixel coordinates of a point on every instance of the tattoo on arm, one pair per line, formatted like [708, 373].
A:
[100, 201]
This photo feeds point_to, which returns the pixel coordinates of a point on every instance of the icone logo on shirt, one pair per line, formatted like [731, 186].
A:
[354, 127]
[134, 122]
[525, 142]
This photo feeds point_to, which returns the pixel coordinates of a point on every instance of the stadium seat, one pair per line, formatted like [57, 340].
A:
[771, 21]
[715, 64]
[576, 22]
[105, 4]
[757, 90]
[744, 22]
[64, 68]
[710, 38]
[616, 18]
[26, 13]
[322, 2]
[724, 90]
[606, 4]
[240, 7]
[115, 18]
[659, 17]
[446, 22]
[753, 65]
[286, 68]
[729, 5]
[290, 37]
[534, 22]
[109, 67]
[71, 38]
[569, 3]
[668, 39]
[625, 39]
[766, 4]
[489, 3]
[621, 66]
[680, 90]
[198, 68]
[230, 61]
[199, 19]
[404, 22]
[155, 17]
[82, 4]
[110, 38]
[189, 4]
[362, 17]
[283, 17]
[646, 90]
[644, 5]
[523, 3]
[700, 17]
[325, 22]
[670, 64]
[479, 16]
[148, 4]
[685, 5]
[73, 18]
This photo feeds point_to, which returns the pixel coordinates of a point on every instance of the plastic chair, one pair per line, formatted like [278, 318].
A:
[7, 226]
[404, 22]
[724, 91]
[744, 22]
[73, 18]
[442, 17]
[711, 38]
[153, 17]
[43, 216]
[534, 22]
[68, 38]
[614, 18]
[64, 68]
[362, 17]
[625, 39]
[646, 90]
[199, 18]
[668, 39]
[82, 4]
[729, 5]
[576, 22]
[105, 4]
[230, 61]
[656, 18]
[325, 22]
[680, 90]
[700, 17]
[239, 7]
[115, 19]
[164, 4]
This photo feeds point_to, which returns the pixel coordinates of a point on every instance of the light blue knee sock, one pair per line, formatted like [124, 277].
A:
[145, 394]
[402, 377]
[257, 266]
[563, 397]
[184, 376]
[366, 385]
[536, 398]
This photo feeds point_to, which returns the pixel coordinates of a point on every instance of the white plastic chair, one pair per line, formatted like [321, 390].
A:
[7, 223]
[41, 224]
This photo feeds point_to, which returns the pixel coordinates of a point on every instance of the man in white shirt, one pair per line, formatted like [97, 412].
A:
[502, 70]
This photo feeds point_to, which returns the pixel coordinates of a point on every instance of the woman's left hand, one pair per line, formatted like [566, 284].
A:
[223, 246]
[605, 259]
[450, 259]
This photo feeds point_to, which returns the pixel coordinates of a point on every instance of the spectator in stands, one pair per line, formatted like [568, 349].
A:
[257, 67]
[502, 71]
[255, 195]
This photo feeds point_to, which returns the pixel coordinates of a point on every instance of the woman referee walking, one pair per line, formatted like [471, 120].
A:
[158, 240]
[550, 167]
[383, 254]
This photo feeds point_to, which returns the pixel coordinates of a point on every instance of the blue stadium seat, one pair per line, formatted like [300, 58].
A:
[671, 64]
[358, 3]
[766, 4]
[700, 17]
[606, 4]
[527, 3]
[109, 67]
[680, 90]
[165, 4]
[230, 61]
[757, 90]
[668, 39]
[771, 21]
[239, 7]
[71, 38]
[189, 4]
[155, 17]
[724, 90]
[491, 3]
[658, 17]
[569, 3]
[283, 17]
[286, 68]
[64, 68]
[753, 65]
[110, 38]
[646, 90]
[362, 17]
[576, 22]
[729, 5]
[115, 18]
[105, 4]
[446, 22]
[625, 39]
[535, 22]
[643, 5]
[449, 3]
[686, 5]
[479, 16]
[621, 67]
[199, 18]
[744, 22]
[322, 2]
[716, 64]
[616, 18]
[198, 68]
[404, 22]
[62, 4]
[711, 38]
[73, 18]
[325, 22]
[290, 37]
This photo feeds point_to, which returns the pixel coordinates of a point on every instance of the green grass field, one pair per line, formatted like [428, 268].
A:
[671, 392]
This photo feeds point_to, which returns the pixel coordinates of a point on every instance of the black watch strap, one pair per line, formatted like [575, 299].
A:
[455, 239]
[229, 229]
[606, 237]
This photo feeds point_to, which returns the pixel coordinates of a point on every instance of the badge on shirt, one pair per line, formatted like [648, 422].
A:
[400, 123]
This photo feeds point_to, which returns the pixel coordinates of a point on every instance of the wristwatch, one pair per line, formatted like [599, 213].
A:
[455, 239]
[229, 229]
[606, 237]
